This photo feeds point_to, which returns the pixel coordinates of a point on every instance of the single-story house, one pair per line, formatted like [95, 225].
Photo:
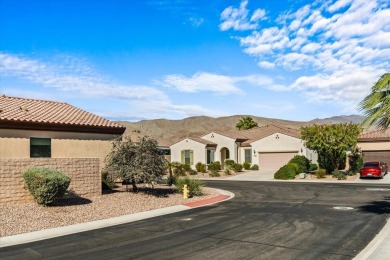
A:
[31, 128]
[40, 133]
[375, 145]
[270, 147]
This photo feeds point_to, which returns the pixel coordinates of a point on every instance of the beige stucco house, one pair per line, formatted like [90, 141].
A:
[40, 133]
[31, 128]
[269, 146]
[375, 145]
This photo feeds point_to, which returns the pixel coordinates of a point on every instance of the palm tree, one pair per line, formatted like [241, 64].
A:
[246, 122]
[376, 105]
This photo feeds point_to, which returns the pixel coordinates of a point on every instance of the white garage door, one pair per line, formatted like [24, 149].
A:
[273, 161]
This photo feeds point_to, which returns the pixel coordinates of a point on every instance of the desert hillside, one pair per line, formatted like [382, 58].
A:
[167, 132]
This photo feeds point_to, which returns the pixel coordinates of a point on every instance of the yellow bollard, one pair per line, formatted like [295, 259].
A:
[185, 191]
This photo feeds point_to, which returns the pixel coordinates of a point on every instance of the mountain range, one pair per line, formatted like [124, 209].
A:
[168, 132]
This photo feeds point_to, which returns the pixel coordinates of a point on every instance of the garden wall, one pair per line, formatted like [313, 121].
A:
[84, 173]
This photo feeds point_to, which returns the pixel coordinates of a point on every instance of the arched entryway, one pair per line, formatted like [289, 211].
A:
[225, 154]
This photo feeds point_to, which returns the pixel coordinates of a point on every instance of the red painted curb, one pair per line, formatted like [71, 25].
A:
[206, 202]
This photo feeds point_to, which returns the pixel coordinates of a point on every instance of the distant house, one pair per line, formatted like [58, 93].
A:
[375, 145]
[40, 133]
[269, 146]
[31, 128]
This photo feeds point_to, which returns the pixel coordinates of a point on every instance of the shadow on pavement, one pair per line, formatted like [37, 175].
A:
[377, 207]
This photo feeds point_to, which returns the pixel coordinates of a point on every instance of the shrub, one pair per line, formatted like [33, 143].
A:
[46, 185]
[286, 172]
[171, 180]
[194, 186]
[214, 166]
[178, 169]
[313, 167]
[355, 162]
[342, 161]
[200, 167]
[229, 162]
[255, 167]
[237, 167]
[320, 173]
[186, 167]
[227, 170]
[294, 166]
[108, 182]
[302, 162]
[214, 174]
[246, 165]
[339, 175]
[192, 172]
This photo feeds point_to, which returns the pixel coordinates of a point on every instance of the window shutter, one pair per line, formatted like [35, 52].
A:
[182, 156]
[191, 157]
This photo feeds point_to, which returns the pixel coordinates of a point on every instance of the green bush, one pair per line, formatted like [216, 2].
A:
[255, 167]
[171, 180]
[178, 169]
[214, 166]
[108, 182]
[355, 162]
[237, 167]
[320, 173]
[227, 170]
[294, 166]
[286, 172]
[214, 173]
[302, 162]
[246, 165]
[194, 186]
[313, 167]
[46, 185]
[200, 167]
[229, 162]
[339, 175]
[186, 167]
[192, 172]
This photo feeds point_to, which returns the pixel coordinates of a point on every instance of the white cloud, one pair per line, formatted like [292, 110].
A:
[196, 22]
[201, 81]
[215, 83]
[266, 65]
[237, 18]
[331, 46]
[75, 77]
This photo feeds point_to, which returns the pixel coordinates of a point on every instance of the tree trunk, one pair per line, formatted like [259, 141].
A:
[135, 188]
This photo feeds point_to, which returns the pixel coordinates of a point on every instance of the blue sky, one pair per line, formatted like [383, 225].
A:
[134, 60]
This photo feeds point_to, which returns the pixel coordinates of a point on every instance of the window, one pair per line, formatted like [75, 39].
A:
[248, 155]
[187, 157]
[210, 156]
[40, 147]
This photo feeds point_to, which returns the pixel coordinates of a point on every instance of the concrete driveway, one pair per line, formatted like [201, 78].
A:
[266, 220]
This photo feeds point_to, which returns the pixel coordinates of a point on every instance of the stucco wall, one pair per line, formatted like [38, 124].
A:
[199, 151]
[282, 143]
[16, 144]
[222, 141]
[84, 173]
[374, 146]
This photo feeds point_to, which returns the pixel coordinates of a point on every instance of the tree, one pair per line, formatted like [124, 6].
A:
[330, 142]
[246, 122]
[376, 105]
[135, 162]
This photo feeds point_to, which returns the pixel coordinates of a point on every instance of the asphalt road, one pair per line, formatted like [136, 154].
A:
[266, 220]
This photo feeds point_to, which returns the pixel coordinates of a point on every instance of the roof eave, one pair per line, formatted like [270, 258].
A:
[5, 124]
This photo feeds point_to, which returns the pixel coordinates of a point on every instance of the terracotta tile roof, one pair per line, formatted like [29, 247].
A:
[199, 140]
[233, 135]
[264, 131]
[375, 135]
[34, 111]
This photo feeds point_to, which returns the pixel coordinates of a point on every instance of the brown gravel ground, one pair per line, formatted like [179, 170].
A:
[23, 218]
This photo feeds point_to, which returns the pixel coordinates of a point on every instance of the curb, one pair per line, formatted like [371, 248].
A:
[373, 250]
[81, 227]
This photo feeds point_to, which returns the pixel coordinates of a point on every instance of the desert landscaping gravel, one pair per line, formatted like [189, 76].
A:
[28, 217]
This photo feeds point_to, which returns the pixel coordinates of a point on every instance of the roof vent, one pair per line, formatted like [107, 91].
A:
[23, 109]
